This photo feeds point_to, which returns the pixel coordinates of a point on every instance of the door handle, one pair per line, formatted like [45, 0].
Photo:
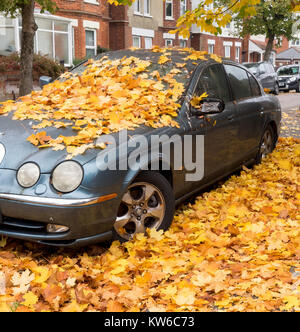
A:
[230, 117]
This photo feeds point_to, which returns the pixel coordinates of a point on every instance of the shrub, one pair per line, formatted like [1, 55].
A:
[42, 66]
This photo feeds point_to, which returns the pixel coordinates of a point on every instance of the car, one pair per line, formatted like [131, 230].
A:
[289, 78]
[265, 74]
[48, 197]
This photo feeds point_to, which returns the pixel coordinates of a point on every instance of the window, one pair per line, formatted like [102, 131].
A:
[169, 9]
[183, 43]
[137, 7]
[211, 48]
[7, 36]
[136, 41]
[183, 7]
[237, 54]
[147, 7]
[256, 92]
[148, 43]
[239, 81]
[91, 43]
[213, 81]
[227, 51]
[169, 42]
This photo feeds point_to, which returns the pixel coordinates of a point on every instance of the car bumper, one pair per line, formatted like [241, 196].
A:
[27, 217]
[288, 86]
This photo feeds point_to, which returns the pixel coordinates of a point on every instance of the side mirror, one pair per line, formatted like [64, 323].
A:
[44, 80]
[209, 106]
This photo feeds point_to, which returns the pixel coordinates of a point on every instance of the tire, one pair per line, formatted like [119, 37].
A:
[276, 90]
[149, 202]
[298, 89]
[267, 144]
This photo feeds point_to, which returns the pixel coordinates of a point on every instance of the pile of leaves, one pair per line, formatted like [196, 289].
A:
[235, 249]
[110, 95]
[42, 66]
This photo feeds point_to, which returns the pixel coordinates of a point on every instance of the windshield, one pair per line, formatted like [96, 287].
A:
[288, 71]
[253, 67]
[178, 67]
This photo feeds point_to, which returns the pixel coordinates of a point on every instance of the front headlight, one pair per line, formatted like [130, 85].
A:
[67, 176]
[28, 175]
[293, 79]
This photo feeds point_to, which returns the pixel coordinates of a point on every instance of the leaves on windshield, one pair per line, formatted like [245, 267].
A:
[109, 96]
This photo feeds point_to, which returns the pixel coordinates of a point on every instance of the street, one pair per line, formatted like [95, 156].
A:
[290, 103]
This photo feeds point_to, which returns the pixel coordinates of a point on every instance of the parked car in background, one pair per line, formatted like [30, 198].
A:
[265, 74]
[289, 78]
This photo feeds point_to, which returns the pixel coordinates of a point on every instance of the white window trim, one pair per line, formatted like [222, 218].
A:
[93, 2]
[169, 17]
[95, 41]
[140, 40]
[211, 42]
[139, 10]
[147, 14]
[93, 25]
[213, 48]
[169, 36]
[170, 40]
[227, 47]
[185, 6]
[237, 53]
[228, 43]
[148, 38]
[143, 32]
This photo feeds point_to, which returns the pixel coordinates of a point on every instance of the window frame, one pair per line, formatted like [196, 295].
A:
[227, 47]
[148, 38]
[199, 71]
[255, 80]
[137, 9]
[95, 41]
[140, 41]
[169, 40]
[169, 2]
[213, 48]
[229, 82]
[147, 8]
[183, 7]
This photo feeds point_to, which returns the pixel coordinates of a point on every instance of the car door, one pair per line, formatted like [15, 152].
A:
[221, 130]
[248, 97]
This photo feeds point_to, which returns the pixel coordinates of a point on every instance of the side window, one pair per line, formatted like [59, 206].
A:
[256, 91]
[213, 81]
[239, 81]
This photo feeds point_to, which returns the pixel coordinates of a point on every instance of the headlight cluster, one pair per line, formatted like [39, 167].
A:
[292, 79]
[66, 177]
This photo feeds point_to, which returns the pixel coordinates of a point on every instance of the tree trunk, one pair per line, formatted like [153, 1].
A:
[29, 28]
[269, 48]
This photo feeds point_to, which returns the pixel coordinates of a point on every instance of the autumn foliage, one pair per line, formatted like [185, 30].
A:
[235, 249]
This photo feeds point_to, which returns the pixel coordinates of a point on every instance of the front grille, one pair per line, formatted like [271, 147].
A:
[22, 226]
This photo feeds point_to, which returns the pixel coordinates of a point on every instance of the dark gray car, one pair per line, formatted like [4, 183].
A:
[265, 74]
[239, 124]
[289, 78]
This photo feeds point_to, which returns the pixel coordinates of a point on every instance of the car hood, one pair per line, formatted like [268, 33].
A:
[14, 134]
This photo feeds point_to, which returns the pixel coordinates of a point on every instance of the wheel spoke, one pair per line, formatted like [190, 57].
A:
[149, 191]
[127, 199]
[121, 222]
[157, 212]
[140, 226]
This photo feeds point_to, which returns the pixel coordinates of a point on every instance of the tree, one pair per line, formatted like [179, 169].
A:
[273, 18]
[13, 8]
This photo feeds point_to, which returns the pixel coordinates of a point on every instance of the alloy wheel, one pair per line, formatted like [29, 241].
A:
[267, 144]
[143, 206]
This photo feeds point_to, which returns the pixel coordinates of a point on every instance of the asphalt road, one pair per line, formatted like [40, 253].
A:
[290, 103]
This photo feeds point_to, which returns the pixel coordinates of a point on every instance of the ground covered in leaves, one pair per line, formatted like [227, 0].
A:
[237, 248]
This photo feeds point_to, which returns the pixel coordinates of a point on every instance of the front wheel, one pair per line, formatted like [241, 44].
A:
[276, 89]
[267, 144]
[148, 203]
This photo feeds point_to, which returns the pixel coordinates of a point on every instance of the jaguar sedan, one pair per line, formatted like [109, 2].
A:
[54, 189]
